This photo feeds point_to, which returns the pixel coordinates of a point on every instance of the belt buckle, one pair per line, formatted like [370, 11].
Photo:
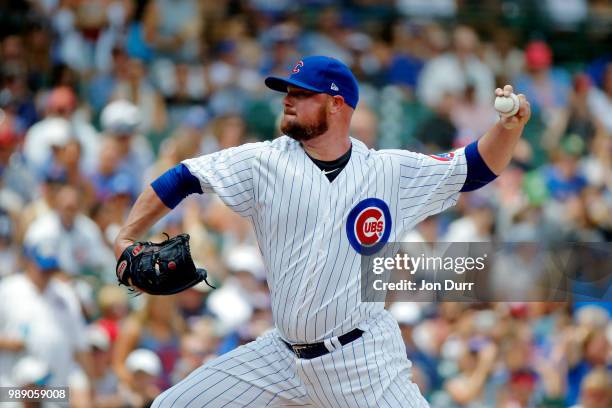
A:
[297, 350]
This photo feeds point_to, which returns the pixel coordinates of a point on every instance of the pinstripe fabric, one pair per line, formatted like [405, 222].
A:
[259, 374]
[313, 272]
[372, 371]
[300, 217]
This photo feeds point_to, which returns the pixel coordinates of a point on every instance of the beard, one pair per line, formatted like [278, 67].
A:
[306, 131]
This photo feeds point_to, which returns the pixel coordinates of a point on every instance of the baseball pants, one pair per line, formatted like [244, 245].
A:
[372, 371]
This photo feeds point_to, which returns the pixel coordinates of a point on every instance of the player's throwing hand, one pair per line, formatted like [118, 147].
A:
[505, 103]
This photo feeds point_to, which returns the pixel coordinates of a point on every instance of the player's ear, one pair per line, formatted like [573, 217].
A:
[336, 103]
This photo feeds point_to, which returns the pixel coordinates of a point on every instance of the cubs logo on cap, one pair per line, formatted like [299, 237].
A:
[321, 74]
[443, 156]
[297, 67]
[368, 226]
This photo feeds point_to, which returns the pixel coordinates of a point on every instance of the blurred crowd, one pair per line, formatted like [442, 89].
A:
[99, 97]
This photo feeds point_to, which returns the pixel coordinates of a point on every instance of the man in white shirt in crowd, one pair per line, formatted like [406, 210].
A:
[40, 316]
[81, 246]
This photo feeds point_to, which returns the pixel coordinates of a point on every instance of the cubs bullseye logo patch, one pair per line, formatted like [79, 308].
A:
[443, 156]
[368, 226]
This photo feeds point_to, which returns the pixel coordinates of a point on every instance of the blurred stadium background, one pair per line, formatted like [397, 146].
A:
[98, 97]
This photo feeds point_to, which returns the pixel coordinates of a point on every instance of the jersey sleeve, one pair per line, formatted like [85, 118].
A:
[428, 184]
[228, 173]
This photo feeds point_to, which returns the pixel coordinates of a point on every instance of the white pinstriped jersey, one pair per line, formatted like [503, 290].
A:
[300, 219]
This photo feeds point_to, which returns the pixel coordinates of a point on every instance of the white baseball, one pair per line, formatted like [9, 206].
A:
[507, 106]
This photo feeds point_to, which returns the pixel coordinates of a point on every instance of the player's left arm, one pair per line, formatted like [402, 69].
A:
[497, 145]
[491, 154]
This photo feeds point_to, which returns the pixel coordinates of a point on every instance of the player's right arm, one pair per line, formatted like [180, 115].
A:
[147, 210]
[227, 173]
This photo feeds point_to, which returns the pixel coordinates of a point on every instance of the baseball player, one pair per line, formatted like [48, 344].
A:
[318, 200]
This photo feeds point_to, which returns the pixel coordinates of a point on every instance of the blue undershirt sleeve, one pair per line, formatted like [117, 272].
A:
[478, 173]
[176, 184]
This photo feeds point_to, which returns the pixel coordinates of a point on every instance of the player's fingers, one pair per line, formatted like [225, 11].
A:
[523, 105]
[508, 90]
[525, 109]
[511, 122]
[134, 287]
[499, 92]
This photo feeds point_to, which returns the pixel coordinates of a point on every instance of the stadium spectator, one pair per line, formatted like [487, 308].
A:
[452, 72]
[475, 364]
[61, 111]
[121, 120]
[145, 369]
[600, 100]
[279, 53]
[595, 390]
[476, 225]
[587, 350]
[183, 86]
[15, 77]
[364, 126]
[8, 246]
[230, 80]
[192, 304]
[81, 248]
[576, 120]
[428, 8]
[105, 384]
[563, 178]
[438, 133]
[471, 117]
[113, 304]
[134, 85]
[101, 86]
[16, 180]
[503, 56]
[40, 316]
[566, 15]
[194, 351]
[329, 35]
[157, 327]
[407, 60]
[66, 160]
[547, 86]
[173, 28]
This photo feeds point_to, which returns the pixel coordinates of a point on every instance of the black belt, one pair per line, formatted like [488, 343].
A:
[314, 350]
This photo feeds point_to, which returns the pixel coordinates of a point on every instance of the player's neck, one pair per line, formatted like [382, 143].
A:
[327, 147]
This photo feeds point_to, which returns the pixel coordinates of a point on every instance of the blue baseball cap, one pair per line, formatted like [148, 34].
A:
[43, 256]
[196, 117]
[320, 74]
[122, 184]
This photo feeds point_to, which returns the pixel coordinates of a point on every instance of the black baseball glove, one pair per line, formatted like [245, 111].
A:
[163, 268]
